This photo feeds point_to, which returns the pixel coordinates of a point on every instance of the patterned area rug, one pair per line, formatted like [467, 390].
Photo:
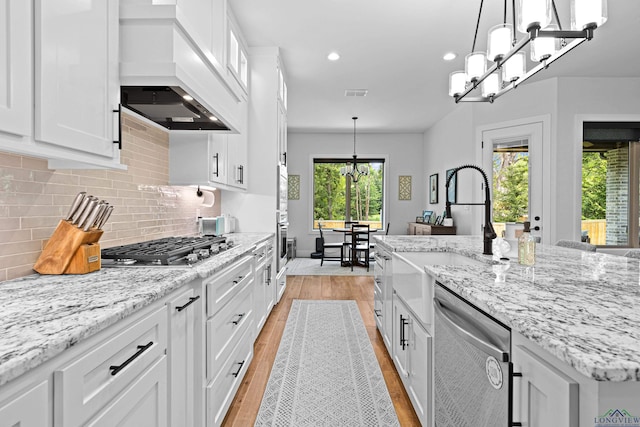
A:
[325, 372]
[311, 267]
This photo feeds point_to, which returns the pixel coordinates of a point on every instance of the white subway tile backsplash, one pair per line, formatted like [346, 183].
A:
[33, 198]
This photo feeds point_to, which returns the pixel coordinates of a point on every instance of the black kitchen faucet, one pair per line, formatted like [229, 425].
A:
[488, 233]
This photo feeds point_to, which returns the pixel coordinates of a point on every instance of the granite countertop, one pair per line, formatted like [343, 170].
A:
[42, 315]
[582, 307]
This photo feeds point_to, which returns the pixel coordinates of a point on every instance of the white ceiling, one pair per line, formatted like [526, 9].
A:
[395, 49]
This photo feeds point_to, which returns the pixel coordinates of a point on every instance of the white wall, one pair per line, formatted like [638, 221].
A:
[452, 140]
[403, 154]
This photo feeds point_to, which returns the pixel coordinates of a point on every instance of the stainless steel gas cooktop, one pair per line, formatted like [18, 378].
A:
[168, 251]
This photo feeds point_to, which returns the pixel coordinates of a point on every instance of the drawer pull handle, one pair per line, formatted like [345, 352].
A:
[191, 301]
[141, 349]
[235, 282]
[240, 316]
[236, 373]
[378, 312]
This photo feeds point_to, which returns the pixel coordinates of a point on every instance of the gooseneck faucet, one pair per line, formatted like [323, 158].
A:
[488, 233]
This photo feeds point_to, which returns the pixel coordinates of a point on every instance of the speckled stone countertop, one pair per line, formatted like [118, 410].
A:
[42, 315]
[582, 307]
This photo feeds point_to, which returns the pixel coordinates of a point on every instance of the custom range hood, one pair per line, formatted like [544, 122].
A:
[164, 58]
[170, 107]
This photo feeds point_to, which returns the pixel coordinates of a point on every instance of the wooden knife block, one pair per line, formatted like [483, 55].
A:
[70, 250]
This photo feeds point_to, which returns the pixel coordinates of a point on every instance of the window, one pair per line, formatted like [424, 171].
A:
[337, 199]
[610, 183]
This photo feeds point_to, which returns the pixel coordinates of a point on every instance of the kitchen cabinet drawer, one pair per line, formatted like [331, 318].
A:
[86, 385]
[221, 391]
[224, 287]
[20, 410]
[225, 329]
[143, 404]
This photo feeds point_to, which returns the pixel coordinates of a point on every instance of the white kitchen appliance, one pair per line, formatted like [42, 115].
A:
[209, 226]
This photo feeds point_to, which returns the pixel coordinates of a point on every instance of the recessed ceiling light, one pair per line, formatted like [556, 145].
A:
[449, 56]
[333, 56]
[213, 118]
[188, 97]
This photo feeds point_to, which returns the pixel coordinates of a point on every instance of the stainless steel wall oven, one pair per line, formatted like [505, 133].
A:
[281, 240]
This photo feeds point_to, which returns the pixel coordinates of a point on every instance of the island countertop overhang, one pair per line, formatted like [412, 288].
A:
[580, 307]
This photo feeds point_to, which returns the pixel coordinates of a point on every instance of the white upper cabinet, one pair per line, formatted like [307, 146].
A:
[77, 85]
[16, 92]
[74, 78]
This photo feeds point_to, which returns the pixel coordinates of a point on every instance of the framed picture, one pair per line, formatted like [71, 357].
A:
[453, 186]
[404, 187]
[426, 216]
[433, 188]
[419, 219]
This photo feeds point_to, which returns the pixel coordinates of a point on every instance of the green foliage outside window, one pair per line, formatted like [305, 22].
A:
[510, 186]
[330, 193]
[594, 186]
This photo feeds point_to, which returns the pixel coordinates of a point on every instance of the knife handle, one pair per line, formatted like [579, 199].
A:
[87, 211]
[76, 216]
[92, 217]
[76, 203]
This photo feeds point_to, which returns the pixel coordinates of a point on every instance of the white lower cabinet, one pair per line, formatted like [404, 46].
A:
[543, 395]
[412, 356]
[264, 294]
[19, 411]
[383, 296]
[100, 377]
[183, 314]
[142, 404]
[230, 333]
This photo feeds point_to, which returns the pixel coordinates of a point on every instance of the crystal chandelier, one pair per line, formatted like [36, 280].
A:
[354, 170]
[546, 39]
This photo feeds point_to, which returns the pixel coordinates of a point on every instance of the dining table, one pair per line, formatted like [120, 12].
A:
[353, 259]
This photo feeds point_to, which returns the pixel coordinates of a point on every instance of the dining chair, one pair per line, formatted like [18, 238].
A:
[360, 244]
[330, 246]
[583, 246]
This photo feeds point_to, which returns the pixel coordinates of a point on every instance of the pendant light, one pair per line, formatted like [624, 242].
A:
[547, 41]
[533, 13]
[354, 170]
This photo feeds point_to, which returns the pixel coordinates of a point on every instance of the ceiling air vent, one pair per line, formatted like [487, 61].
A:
[356, 92]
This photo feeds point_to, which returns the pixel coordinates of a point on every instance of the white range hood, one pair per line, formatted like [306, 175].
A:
[157, 52]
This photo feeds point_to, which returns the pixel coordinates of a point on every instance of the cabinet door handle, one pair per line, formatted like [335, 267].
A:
[119, 121]
[141, 349]
[216, 173]
[240, 316]
[404, 342]
[191, 301]
[236, 373]
[285, 158]
[378, 312]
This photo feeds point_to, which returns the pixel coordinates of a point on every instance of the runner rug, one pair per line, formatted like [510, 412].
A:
[325, 372]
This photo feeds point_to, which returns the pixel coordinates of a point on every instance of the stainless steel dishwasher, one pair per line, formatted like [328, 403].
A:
[473, 372]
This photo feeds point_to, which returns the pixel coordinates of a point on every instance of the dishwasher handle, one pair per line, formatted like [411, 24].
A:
[466, 334]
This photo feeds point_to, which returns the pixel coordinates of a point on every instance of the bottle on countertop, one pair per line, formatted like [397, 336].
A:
[526, 246]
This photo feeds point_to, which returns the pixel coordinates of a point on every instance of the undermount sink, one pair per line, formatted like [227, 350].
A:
[439, 258]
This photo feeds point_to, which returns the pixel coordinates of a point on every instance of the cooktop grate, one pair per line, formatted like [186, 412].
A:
[163, 251]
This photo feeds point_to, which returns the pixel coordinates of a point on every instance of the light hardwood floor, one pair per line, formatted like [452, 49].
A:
[244, 408]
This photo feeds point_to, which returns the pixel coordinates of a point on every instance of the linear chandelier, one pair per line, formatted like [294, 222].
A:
[547, 40]
[354, 171]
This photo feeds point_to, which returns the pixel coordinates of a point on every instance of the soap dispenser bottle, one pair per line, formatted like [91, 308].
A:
[526, 246]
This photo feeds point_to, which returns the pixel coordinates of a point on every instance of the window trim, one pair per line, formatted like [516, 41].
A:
[579, 121]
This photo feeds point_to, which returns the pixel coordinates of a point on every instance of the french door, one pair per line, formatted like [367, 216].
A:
[502, 146]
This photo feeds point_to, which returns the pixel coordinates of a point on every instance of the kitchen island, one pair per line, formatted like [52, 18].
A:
[44, 318]
[575, 311]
